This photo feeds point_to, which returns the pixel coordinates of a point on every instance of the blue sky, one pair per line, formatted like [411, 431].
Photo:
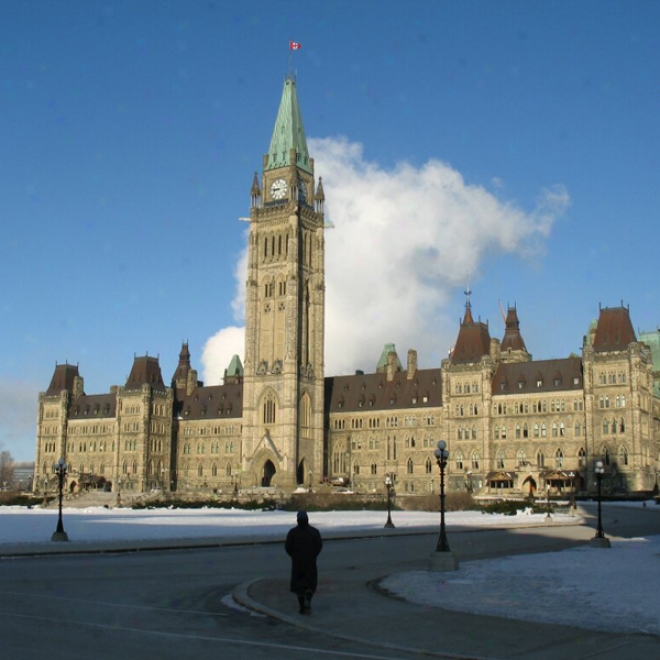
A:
[515, 141]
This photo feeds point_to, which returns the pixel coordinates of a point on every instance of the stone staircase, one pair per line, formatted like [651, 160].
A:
[89, 499]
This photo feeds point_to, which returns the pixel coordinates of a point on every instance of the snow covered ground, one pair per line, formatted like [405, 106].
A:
[614, 590]
[20, 525]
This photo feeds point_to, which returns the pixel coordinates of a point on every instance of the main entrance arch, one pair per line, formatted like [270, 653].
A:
[268, 474]
[529, 486]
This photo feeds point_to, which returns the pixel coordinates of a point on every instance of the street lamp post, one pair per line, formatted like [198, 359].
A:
[388, 485]
[442, 454]
[60, 470]
[600, 540]
[442, 559]
[548, 516]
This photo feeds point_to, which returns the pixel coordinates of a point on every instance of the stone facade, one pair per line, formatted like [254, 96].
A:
[514, 426]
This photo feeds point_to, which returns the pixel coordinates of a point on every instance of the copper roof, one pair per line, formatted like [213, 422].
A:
[539, 376]
[473, 341]
[62, 379]
[212, 402]
[365, 392]
[614, 330]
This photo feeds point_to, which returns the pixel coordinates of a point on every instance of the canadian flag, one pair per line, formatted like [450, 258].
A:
[294, 45]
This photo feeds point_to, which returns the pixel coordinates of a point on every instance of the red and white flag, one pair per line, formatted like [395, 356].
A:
[294, 45]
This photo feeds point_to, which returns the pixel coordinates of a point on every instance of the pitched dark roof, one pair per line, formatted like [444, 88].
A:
[145, 371]
[512, 338]
[614, 330]
[93, 406]
[212, 402]
[183, 367]
[62, 379]
[539, 376]
[365, 392]
[473, 341]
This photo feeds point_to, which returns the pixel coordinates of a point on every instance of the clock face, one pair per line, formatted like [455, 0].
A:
[279, 189]
[302, 191]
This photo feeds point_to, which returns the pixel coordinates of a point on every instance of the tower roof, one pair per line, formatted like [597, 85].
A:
[382, 363]
[614, 330]
[145, 371]
[62, 378]
[288, 133]
[512, 338]
[182, 369]
[473, 341]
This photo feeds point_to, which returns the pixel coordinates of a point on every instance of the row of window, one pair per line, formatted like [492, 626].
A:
[472, 409]
[201, 470]
[270, 288]
[156, 444]
[619, 401]
[339, 460]
[276, 246]
[611, 377]
[390, 422]
[51, 413]
[159, 410]
[540, 406]
[465, 387]
[215, 447]
[90, 430]
[210, 430]
[92, 445]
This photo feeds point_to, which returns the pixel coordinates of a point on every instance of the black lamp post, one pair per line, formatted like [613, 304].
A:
[388, 486]
[60, 470]
[600, 540]
[442, 454]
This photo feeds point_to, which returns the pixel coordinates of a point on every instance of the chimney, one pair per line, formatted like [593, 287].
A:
[78, 386]
[391, 365]
[191, 384]
[412, 363]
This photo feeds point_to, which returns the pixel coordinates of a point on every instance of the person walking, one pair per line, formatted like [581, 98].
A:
[303, 544]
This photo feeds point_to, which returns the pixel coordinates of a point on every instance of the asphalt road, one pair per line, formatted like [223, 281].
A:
[172, 604]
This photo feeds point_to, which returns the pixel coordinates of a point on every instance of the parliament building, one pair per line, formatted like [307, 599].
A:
[514, 426]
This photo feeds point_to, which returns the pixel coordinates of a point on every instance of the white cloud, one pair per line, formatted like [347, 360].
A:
[218, 351]
[403, 239]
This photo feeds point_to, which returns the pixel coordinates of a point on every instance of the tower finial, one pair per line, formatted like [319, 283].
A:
[467, 293]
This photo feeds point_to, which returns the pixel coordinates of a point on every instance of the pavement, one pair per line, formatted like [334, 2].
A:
[361, 612]
[350, 608]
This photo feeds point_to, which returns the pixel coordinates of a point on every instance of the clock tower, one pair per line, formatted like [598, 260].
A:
[282, 436]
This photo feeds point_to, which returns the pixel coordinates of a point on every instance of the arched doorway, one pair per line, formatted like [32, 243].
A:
[529, 486]
[269, 473]
[300, 473]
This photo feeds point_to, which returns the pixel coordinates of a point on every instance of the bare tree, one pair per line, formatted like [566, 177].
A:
[6, 469]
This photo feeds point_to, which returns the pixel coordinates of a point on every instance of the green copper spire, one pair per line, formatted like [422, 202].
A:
[289, 133]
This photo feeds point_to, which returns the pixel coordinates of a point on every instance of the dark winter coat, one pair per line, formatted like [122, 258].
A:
[303, 544]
